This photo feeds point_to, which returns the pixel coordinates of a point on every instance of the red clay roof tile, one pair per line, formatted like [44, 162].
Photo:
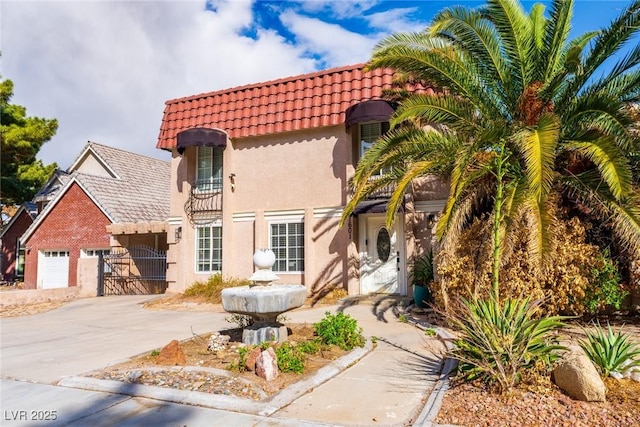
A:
[289, 104]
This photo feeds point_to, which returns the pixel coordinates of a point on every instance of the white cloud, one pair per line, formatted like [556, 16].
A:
[337, 45]
[395, 20]
[339, 8]
[105, 69]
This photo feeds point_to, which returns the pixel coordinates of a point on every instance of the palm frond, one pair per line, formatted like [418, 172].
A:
[556, 36]
[611, 164]
[538, 148]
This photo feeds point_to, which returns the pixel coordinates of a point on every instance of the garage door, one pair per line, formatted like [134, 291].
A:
[55, 269]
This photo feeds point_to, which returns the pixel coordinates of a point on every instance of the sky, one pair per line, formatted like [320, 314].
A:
[104, 69]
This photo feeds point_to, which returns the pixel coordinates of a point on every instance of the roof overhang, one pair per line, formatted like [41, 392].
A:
[375, 110]
[201, 137]
[376, 206]
[137, 227]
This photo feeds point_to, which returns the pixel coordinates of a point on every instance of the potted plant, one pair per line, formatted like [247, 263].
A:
[422, 275]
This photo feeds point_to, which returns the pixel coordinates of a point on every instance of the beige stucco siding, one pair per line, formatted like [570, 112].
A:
[298, 176]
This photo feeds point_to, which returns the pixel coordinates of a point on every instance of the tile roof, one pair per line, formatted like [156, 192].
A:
[293, 103]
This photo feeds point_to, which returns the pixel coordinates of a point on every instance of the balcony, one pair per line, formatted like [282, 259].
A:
[204, 205]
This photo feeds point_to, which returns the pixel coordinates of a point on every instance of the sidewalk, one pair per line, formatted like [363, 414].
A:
[388, 386]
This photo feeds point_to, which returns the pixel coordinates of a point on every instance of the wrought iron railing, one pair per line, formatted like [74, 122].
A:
[384, 192]
[204, 205]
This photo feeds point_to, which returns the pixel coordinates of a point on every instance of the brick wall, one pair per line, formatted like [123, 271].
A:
[74, 223]
[9, 244]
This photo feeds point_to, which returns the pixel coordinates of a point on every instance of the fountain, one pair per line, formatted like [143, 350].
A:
[263, 301]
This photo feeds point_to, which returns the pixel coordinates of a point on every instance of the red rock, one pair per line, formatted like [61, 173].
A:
[172, 354]
[267, 364]
[250, 364]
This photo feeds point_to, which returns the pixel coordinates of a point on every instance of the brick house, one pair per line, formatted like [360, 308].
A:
[10, 262]
[112, 198]
[268, 165]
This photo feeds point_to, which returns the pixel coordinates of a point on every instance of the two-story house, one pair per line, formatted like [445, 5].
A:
[267, 166]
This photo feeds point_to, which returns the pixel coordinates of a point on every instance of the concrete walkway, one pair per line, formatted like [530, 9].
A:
[387, 387]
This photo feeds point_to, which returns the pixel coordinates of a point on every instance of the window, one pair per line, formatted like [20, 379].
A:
[209, 249]
[94, 253]
[369, 133]
[209, 171]
[287, 242]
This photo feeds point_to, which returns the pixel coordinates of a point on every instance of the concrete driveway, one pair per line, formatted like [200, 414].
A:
[91, 333]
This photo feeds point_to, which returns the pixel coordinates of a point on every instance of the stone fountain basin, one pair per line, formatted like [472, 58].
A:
[263, 303]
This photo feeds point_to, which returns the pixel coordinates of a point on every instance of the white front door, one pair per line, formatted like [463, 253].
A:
[381, 257]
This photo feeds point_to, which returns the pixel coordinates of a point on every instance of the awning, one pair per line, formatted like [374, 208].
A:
[373, 206]
[375, 110]
[201, 137]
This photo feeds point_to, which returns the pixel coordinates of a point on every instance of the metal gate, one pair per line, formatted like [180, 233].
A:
[137, 270]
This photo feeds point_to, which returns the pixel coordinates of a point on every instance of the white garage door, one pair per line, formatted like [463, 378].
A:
[55, 269]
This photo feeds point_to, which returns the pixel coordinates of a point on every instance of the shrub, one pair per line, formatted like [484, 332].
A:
[210, 290]
[610, 352]
[464, 268]
[290, 358]
[341, 330]
[605, 287]
[498, 341]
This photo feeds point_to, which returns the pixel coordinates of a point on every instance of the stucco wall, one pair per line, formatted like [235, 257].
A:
[88, 277]
[74, 223]
[300, 172]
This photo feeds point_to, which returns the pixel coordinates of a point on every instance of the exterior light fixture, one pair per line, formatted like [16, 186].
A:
[178, 234]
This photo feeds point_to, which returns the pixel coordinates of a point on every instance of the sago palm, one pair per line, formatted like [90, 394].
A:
[521, 112]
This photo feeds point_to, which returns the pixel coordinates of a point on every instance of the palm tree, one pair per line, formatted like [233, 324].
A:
[523, 113]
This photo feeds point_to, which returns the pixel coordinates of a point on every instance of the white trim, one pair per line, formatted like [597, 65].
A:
[429, 205]
[174, 220]
[83, 252]
[100, 160]
[244, 216]
[328, 212]
[289, 220]
[14, 218]
[49, 207]
[287, 216]
[216, 224]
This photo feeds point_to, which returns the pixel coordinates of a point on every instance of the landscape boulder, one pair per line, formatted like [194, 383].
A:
[172, 354]
[250, 364]
[267, 364]
[578, 377]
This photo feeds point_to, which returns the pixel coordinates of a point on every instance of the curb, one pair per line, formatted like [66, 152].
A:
[215, 401]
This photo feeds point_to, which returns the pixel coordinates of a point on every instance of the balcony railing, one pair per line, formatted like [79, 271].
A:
[381, 193]
[204, 205]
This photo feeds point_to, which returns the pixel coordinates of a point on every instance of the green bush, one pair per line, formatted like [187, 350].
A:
[210, 290]
[341, 330]
[604, 289]
[498, 341]
[610, 351]
[290, 358]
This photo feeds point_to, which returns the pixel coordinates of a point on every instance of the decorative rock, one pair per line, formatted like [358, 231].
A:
[577, 376]
[218, 342]
[267, 364]
[172, 354]
[251, 359]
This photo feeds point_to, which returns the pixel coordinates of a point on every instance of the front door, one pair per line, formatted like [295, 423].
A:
[381, 260]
